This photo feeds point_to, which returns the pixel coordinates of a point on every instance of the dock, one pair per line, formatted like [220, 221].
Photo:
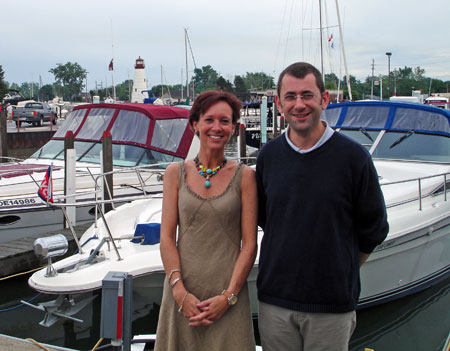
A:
[9, 343]
[18, 256]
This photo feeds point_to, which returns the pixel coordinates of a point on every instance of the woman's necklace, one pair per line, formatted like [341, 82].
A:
[208, 172]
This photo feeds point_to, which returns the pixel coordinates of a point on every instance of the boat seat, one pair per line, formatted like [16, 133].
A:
[150, 231]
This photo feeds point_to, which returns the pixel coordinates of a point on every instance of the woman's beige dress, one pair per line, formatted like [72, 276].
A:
[209, 244]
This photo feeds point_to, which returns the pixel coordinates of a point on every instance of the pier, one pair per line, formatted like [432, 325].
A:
[18, 256]
[9, 343]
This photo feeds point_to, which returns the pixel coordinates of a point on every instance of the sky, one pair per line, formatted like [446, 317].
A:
[233, 36]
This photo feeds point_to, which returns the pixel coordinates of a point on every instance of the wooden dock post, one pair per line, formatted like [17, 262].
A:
[107, 162]
[3, 137]
[282, 123]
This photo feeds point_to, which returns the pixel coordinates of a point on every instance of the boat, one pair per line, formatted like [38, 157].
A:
[144, 139]
[410, 147]
[438, 101]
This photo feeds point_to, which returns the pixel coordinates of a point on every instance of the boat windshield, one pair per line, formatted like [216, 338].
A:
[362, 136]
[123, 155]
[413, 146]
[409, 146]
[51, 150]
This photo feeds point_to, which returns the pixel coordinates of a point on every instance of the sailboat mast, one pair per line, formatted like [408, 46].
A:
[321, 38]
[185, 49]
[112, 71]
[181, 84]
[343, 52]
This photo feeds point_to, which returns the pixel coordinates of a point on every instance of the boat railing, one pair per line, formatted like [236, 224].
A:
[98, 203]
[145, 176]
[420, 196]
[143, 173]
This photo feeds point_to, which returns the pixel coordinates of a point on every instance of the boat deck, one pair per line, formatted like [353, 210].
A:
[18, 256]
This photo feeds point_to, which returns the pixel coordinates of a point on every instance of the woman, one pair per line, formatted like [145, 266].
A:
[213, 203]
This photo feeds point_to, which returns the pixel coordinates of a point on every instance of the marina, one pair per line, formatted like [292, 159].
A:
[88, 144]
[81, 284]
[394, 326]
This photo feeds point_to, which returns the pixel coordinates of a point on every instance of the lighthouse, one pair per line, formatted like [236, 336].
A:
[139, 82]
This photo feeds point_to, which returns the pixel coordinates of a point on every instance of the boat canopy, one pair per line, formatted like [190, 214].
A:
[161, 128]
[390, 116]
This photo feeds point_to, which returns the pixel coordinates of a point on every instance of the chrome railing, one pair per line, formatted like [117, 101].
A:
[420, 196]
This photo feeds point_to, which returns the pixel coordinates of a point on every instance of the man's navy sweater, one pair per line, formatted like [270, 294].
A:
[319, 210]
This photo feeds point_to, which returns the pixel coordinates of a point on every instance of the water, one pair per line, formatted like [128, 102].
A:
[416, 322]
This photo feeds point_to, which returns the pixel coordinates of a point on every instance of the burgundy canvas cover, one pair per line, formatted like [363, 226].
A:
[143, 125]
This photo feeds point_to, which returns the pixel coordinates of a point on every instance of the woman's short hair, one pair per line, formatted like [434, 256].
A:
[208, 98]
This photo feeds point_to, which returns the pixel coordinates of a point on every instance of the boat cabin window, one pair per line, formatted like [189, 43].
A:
[72, 123]
[413, 146]
[168, 133]
[96, 123]
[131, 126]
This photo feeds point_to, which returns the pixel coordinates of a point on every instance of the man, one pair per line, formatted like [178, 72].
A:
[323, 213]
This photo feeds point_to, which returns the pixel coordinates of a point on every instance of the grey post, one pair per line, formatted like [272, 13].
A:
[116, 311]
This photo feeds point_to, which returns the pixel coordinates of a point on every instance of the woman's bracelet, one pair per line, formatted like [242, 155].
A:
[182, 302]
[176, 280]
[172, 272]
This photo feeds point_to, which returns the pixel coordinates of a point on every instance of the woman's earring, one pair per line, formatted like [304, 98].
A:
[197, 133]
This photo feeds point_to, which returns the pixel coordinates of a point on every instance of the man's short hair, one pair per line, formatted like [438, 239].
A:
[301, 70]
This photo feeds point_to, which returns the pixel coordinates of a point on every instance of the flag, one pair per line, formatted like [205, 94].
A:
[110, 67]
[45, 191]
[330, 40]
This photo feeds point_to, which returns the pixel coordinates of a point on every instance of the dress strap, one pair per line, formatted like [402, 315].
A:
[181, 173]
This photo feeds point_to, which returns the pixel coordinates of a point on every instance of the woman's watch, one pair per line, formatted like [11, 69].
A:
[232, 298]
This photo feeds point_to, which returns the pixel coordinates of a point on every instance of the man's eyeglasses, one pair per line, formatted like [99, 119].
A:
[304, 97]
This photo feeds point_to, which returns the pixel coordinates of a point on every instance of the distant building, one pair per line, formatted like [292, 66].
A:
[139, 82]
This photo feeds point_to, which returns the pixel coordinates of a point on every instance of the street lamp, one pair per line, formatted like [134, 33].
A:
[389, 54]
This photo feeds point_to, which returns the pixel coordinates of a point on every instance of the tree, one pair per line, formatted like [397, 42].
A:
[123, 90]
[240, 88]
[205, 78]
[259, 81]
[70, 76]
[3, 85]
[46, 92]
[29, 90]
[223, 84]
[419, 73]
[331, 81]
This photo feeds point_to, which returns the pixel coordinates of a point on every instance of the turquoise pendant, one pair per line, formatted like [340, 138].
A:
[207, 184]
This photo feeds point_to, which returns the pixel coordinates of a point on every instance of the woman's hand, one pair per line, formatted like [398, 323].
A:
[211, 309]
